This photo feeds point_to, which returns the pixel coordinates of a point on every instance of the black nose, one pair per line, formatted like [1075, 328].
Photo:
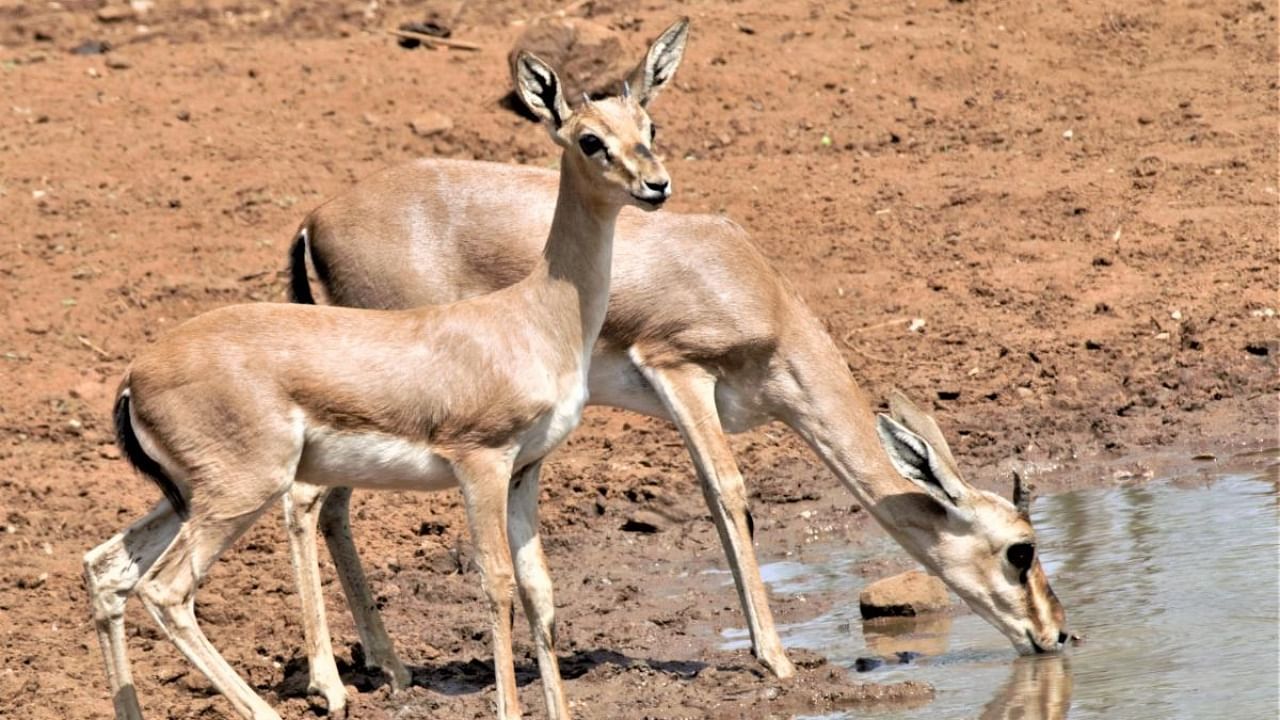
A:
[657, 186]
[1063, 638]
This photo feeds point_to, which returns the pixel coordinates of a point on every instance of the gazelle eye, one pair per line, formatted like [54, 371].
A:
[1021, 555]
[653, 132]
[590, 144]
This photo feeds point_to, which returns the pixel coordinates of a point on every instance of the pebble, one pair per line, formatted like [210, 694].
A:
[431, 123]
[115, 13]
[644, 521]
[33, 583]
[866, 664]
[91, 47]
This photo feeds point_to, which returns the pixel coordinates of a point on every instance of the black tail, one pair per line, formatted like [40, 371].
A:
[299, 285]
[139, 459]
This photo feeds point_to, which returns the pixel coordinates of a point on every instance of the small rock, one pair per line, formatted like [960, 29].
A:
[587, 56]
[115, 62]
[91, 47]
[115, 13]
[431, 123]
[867, 664]
[644, 521]
[908, 594]
[33, 583]
[184, 115]
[109, 452]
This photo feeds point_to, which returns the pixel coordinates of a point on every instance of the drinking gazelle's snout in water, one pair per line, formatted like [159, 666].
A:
[986, 548]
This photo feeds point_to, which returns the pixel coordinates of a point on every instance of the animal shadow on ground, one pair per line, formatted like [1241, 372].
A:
[462, 677]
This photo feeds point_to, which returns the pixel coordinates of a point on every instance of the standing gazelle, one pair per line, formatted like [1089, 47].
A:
[702, 331]
[235, 406]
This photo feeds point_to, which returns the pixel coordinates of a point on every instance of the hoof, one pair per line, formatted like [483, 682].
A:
[335, 699]
[780, 666]
[398, 676]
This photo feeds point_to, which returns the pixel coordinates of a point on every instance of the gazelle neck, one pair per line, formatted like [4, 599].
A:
[838, 422]
[579, 251]
[835, 418]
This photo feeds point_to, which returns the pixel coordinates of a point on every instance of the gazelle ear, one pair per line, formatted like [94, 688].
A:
[921, 423]
[917, 460]
[541, 90]
[660, 63]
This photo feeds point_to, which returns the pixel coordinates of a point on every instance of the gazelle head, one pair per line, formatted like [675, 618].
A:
[979, 543]
[609, 140]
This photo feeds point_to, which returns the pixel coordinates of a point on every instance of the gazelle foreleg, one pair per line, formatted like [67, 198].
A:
[688, 392]
[379, 652]
[485, 477]
[534, 583]
[301, 510]
[111, 572]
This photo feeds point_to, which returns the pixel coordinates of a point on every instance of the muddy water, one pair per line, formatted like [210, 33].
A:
[1174, 585]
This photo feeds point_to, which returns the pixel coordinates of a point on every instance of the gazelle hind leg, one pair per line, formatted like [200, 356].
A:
[534, 584]
[379, 653]
[689, 394]
[111, 572]
[301, 507]
[484, 477]
[168, 591]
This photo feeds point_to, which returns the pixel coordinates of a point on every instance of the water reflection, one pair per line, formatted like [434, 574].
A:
[1176, 589]
[1038, 688]
[1174, 585]
[889, 637]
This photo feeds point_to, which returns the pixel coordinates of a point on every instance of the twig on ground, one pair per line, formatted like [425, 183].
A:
[97, 350]
[877, 326]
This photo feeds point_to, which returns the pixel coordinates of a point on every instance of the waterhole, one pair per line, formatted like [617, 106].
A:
[1174, 584]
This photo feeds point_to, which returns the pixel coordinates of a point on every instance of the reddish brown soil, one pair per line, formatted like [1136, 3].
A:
[1079, 200]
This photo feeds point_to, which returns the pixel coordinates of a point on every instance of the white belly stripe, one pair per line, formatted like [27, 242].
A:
[371, 460]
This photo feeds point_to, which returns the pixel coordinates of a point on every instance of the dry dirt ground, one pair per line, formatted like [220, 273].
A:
[1078, 200]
